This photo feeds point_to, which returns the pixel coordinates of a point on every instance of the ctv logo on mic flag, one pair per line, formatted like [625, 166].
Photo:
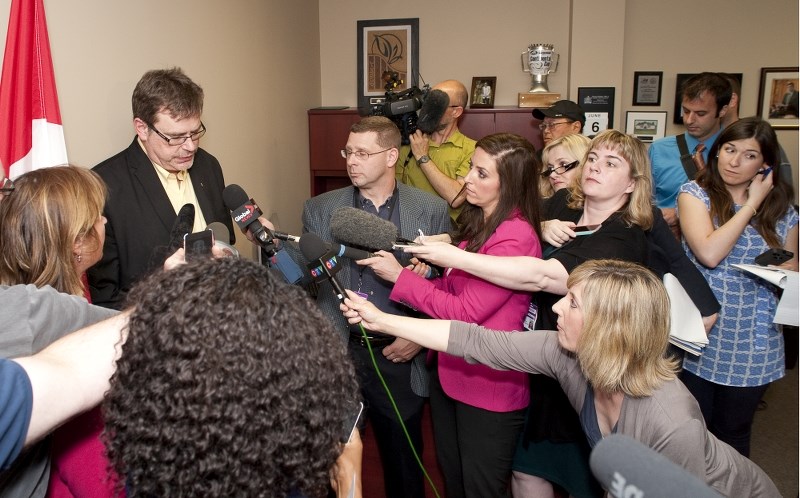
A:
[31, 134]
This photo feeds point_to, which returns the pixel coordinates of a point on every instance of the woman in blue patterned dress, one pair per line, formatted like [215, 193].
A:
[735, 210]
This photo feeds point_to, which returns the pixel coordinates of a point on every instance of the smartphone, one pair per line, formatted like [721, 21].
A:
[198, 244]
[351, 423]
[774, 257]
[586, 229]
[766, 170]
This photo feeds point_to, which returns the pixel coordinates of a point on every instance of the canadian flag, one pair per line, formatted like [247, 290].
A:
[31, 135]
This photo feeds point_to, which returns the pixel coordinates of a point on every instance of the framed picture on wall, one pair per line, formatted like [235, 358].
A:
[647, 87]
[483, 90]
[646, 126]
[388, 59]
[681, 78]
[777, 97]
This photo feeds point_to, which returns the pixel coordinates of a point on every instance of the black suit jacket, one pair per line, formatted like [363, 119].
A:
[140, 218]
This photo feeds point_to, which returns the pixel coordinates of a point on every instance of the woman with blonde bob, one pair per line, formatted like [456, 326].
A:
[608, 356]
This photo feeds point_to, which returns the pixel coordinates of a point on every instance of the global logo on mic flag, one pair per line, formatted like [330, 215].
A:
[31, 132]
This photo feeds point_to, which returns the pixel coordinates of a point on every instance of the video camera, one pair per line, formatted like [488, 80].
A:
[400, 107]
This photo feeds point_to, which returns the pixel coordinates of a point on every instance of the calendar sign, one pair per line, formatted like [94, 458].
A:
[598, 104]
[595, 123]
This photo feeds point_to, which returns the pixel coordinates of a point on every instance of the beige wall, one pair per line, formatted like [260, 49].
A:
[263, 63]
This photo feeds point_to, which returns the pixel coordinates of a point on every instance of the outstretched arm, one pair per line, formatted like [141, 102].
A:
[432, 334]
[72, 374]
[512, 272]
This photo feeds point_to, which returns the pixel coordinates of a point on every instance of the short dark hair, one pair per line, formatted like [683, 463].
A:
[713, 83]
[387, 131]
[166, 90]
[231, 383]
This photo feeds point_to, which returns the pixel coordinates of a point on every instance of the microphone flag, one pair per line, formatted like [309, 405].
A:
[31, 131]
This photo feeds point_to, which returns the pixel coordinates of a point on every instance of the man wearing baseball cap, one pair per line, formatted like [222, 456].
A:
[564, 117]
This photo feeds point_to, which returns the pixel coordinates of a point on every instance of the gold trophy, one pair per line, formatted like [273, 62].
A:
[539, 60]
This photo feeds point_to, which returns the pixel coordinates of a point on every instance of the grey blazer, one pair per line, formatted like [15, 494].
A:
[419, 210]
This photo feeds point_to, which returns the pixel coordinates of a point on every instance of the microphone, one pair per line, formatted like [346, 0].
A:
[436, 104]
[221, 236]
[627, 468]
[245, 213]
[359, 228]
[324, 264]
[184, 222]
[340, 250]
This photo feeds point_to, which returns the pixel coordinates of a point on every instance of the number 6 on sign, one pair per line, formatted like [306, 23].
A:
[595, 123]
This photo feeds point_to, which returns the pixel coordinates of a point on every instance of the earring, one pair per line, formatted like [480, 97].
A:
[79, 258]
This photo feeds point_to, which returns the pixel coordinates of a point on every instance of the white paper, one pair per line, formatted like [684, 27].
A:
[686, 323]
[787, 311]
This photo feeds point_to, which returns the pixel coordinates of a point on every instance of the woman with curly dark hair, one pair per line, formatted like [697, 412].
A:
[231, 383]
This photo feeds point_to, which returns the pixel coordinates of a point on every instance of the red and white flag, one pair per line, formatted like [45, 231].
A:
[31, 135]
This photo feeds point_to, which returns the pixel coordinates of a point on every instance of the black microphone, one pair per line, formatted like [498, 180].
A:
[245, 213]
[436, 104]
[184, 222]
[324, 264]
[627, 468]
[340, 250]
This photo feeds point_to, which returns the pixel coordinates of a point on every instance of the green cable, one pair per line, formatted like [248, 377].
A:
[397, 411]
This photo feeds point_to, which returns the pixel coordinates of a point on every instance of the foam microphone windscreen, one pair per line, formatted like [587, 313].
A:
[184, 222]
[436, 104]
[353, 226]
[627, 468]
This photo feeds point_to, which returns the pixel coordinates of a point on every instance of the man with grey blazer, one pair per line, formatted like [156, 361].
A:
[371, 153]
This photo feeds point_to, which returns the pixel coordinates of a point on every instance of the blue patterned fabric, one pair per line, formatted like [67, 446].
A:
[745, 349]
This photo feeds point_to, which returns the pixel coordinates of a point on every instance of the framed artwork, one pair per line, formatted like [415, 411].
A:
[388, 58]
[777, 97]
[483, 90]
[677, 116]
[647, 87]
[598, 105]
[646, 126]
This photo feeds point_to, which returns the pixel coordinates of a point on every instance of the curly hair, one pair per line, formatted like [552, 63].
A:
[49, 211]
[231, 383]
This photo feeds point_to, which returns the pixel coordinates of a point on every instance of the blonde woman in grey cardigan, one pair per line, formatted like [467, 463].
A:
[608, 356]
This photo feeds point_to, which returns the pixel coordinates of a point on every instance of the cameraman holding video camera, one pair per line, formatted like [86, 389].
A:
[437, 163]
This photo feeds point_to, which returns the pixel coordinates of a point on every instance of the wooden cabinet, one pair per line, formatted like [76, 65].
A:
[328, 130]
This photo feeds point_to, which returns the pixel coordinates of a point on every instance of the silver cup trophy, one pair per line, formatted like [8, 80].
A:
[538, 62]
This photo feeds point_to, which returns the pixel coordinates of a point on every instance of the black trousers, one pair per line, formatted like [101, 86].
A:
[402, 476]
[728, 411]
[474, 447]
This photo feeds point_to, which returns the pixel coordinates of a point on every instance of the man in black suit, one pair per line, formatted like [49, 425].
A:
[163, 169]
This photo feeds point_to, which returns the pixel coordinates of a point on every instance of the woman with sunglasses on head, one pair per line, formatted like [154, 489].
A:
[737, 209]
[608, 356]
[478, 412]
[561, 158]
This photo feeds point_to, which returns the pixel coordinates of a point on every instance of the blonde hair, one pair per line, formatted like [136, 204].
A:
[49, 211]
[576, 145]
[625, 332]
[639, 209]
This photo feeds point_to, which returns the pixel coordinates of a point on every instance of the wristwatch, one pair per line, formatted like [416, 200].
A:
[423, 159]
